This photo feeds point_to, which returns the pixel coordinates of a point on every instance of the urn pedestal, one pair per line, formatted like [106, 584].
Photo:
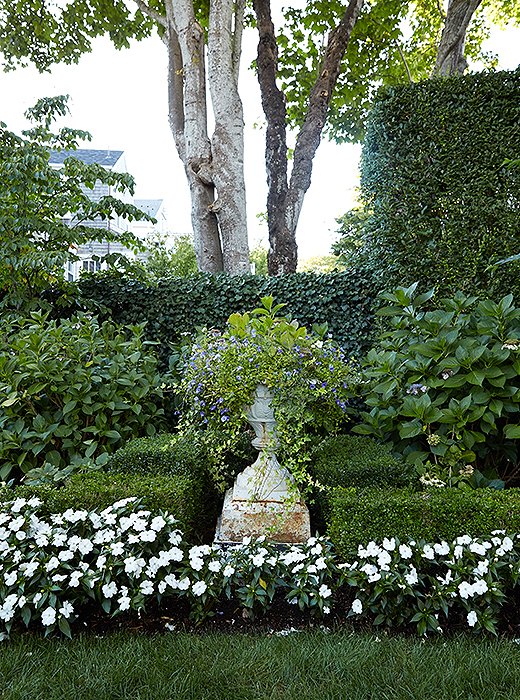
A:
[263, 500]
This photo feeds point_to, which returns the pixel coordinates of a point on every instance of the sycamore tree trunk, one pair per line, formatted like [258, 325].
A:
[285, 197]
[213, 166]
[450, 53]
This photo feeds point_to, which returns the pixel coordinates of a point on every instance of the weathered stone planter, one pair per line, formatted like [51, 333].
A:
[263, 499]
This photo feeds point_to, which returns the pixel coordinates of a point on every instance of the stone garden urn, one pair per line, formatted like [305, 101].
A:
[263, 500]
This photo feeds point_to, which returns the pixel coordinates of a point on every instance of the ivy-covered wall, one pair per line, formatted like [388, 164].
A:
[179, 305]
[444, 206]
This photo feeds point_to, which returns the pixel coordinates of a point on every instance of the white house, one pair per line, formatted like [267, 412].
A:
[112, 160]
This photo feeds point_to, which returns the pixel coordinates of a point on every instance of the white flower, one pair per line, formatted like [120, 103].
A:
[48, 616]
[320, 564]
[85, 546]
[384, 559]
[214, 565]
[326, 610]
[246, 541]
[442, 548]
[196, 563]
[65, 555]
[311, 541]
[22, 600]
[117, 548]
[324, 591]
[158, 523]
[175, 554]
[458, 551]
[101, 561]
[10, 579]
[124, 603]
[480, 587]
[428, 552]
[18, 504]
[357, 606]
[311, 569]
[258, 560]
[66, 609]
[175, 538]
[229, 571]
[148, 536]
[183, 584]
[464, 539]
[16, 523]
[412, 578]
[109, 589]
[74, 578]
[53, 563]
[465, 590]
[477, 548]
[199, 588]
[389, 544]
[317, 549]
[472, 618]
[482, 568]
[21, 535]
[146, 587]
[405, 551]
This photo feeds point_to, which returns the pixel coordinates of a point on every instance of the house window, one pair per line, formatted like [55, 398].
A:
[91, 265]
[69, 272]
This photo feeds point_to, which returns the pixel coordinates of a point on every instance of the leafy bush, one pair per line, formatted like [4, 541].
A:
[74, 390]
[359, 515]
[177, 306]
[347, 460]
[444, 384]
[182, 454]
[441, 204]
[186, 498]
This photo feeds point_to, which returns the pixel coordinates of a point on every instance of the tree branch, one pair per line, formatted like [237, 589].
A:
[238, 30]
[321, 94]
[153, 14]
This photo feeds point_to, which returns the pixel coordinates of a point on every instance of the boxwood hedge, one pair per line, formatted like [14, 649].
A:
[360, 515]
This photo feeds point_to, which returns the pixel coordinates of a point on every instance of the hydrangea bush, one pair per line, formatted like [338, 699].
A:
[125, 557]
[308, 374]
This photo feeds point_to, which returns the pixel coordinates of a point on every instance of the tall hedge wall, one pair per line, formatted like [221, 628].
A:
[432, 172]
[178, 305]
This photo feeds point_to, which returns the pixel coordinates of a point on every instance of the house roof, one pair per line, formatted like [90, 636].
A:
[87, 155]
[149, 206]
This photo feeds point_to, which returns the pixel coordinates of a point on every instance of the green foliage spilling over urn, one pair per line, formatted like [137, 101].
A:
[443, 203]
[306, 373]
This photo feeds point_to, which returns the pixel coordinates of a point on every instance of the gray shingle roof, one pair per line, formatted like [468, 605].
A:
[87, 155]
[150, 206]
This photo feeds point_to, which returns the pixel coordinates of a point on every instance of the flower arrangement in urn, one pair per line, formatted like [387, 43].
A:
[306, 375]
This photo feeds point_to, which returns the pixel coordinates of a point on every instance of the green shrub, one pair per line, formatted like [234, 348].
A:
[444, 384]
[347, 460]
[180, 495]
[74, 390]
[442, 205]
[360, 515]
[181, 305]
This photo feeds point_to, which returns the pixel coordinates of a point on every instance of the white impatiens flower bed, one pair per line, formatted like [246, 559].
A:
[124, 557]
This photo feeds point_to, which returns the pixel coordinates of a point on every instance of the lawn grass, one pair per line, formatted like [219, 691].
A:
[303, 666]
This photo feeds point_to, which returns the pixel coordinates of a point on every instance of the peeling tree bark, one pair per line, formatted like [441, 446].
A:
[450, 53]
[214, 168]
[227, 142]
[285, 200]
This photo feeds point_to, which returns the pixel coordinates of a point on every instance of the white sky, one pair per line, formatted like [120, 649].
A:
[120, 97]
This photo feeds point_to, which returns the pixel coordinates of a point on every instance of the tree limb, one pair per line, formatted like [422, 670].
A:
[153, 14]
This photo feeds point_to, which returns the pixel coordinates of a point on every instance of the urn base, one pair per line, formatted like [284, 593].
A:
[280, 522]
